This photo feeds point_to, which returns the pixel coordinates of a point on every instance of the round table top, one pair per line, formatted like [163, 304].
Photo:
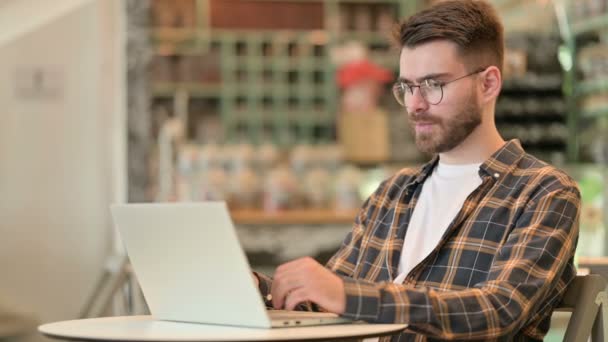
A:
[146, 328]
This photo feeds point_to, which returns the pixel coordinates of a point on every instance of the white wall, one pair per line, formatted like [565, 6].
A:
[61, 159]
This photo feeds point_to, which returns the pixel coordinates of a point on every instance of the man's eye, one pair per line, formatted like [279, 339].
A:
[432, 84]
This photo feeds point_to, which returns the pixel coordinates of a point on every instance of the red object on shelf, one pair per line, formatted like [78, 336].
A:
[362, 70]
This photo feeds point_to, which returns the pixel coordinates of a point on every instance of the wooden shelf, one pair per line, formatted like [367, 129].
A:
[291, 217]
[174, 34]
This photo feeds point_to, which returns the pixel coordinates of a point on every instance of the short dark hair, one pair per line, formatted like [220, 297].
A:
[473, 25]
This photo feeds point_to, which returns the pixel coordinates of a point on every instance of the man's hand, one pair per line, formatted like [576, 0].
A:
[306, 280]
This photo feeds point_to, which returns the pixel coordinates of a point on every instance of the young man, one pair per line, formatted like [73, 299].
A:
[476, 244]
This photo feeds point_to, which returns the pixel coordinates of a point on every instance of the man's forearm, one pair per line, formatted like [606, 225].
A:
[487, 312]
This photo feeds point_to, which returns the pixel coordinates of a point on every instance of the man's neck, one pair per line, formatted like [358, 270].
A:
[476, 148]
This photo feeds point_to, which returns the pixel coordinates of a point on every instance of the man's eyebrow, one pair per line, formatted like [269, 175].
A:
[425, 77]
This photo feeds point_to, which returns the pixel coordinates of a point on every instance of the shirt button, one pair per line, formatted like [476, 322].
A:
[496, 175]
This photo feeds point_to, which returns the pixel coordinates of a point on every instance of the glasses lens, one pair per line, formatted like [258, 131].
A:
[400, 92]
[432, 93]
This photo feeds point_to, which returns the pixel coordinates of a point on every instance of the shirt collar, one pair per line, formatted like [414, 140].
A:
[501, 162]
[425, 170]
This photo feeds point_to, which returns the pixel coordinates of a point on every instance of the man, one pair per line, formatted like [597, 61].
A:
[476, 244]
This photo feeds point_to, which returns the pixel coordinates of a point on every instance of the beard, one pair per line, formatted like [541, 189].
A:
[447, 133]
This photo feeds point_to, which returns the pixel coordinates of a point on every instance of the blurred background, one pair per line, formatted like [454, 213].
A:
[282, 108]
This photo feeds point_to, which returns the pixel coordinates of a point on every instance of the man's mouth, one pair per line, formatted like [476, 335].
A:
[423, 126]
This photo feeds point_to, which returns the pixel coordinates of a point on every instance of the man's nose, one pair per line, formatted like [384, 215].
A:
[416, 102]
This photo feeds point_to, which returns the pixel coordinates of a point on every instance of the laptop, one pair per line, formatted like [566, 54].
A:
[191, 267]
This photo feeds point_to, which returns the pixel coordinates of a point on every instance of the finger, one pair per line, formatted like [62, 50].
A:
[279, 300]
[289, 276]
[280, 287]
[296, 297]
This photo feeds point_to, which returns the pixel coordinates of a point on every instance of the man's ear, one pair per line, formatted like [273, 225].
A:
[491, 83]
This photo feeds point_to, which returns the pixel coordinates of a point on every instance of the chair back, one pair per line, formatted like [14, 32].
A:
[584, 298]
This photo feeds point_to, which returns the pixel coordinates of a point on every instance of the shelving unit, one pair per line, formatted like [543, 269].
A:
[268, 78]
[576, 89]
[586, 90]
[270, 84]
[531, 106]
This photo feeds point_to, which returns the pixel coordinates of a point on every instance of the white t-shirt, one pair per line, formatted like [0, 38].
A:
[443, 194]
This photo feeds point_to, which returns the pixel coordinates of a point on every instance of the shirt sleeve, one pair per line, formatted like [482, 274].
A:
[265, 284]
[344, 261]
[526, 268]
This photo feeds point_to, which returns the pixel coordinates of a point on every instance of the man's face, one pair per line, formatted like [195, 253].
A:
[440, 127]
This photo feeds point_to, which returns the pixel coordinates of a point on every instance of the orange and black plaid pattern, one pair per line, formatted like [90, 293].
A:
[499, 270]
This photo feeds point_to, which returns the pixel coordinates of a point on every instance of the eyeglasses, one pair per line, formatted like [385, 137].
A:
[430, 90]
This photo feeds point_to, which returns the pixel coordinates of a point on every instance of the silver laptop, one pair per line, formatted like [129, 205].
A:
[191, 267]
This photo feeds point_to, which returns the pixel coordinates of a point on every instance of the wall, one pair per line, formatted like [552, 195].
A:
[61, 157]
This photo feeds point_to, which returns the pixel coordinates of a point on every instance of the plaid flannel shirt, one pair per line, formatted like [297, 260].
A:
[499, 270]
